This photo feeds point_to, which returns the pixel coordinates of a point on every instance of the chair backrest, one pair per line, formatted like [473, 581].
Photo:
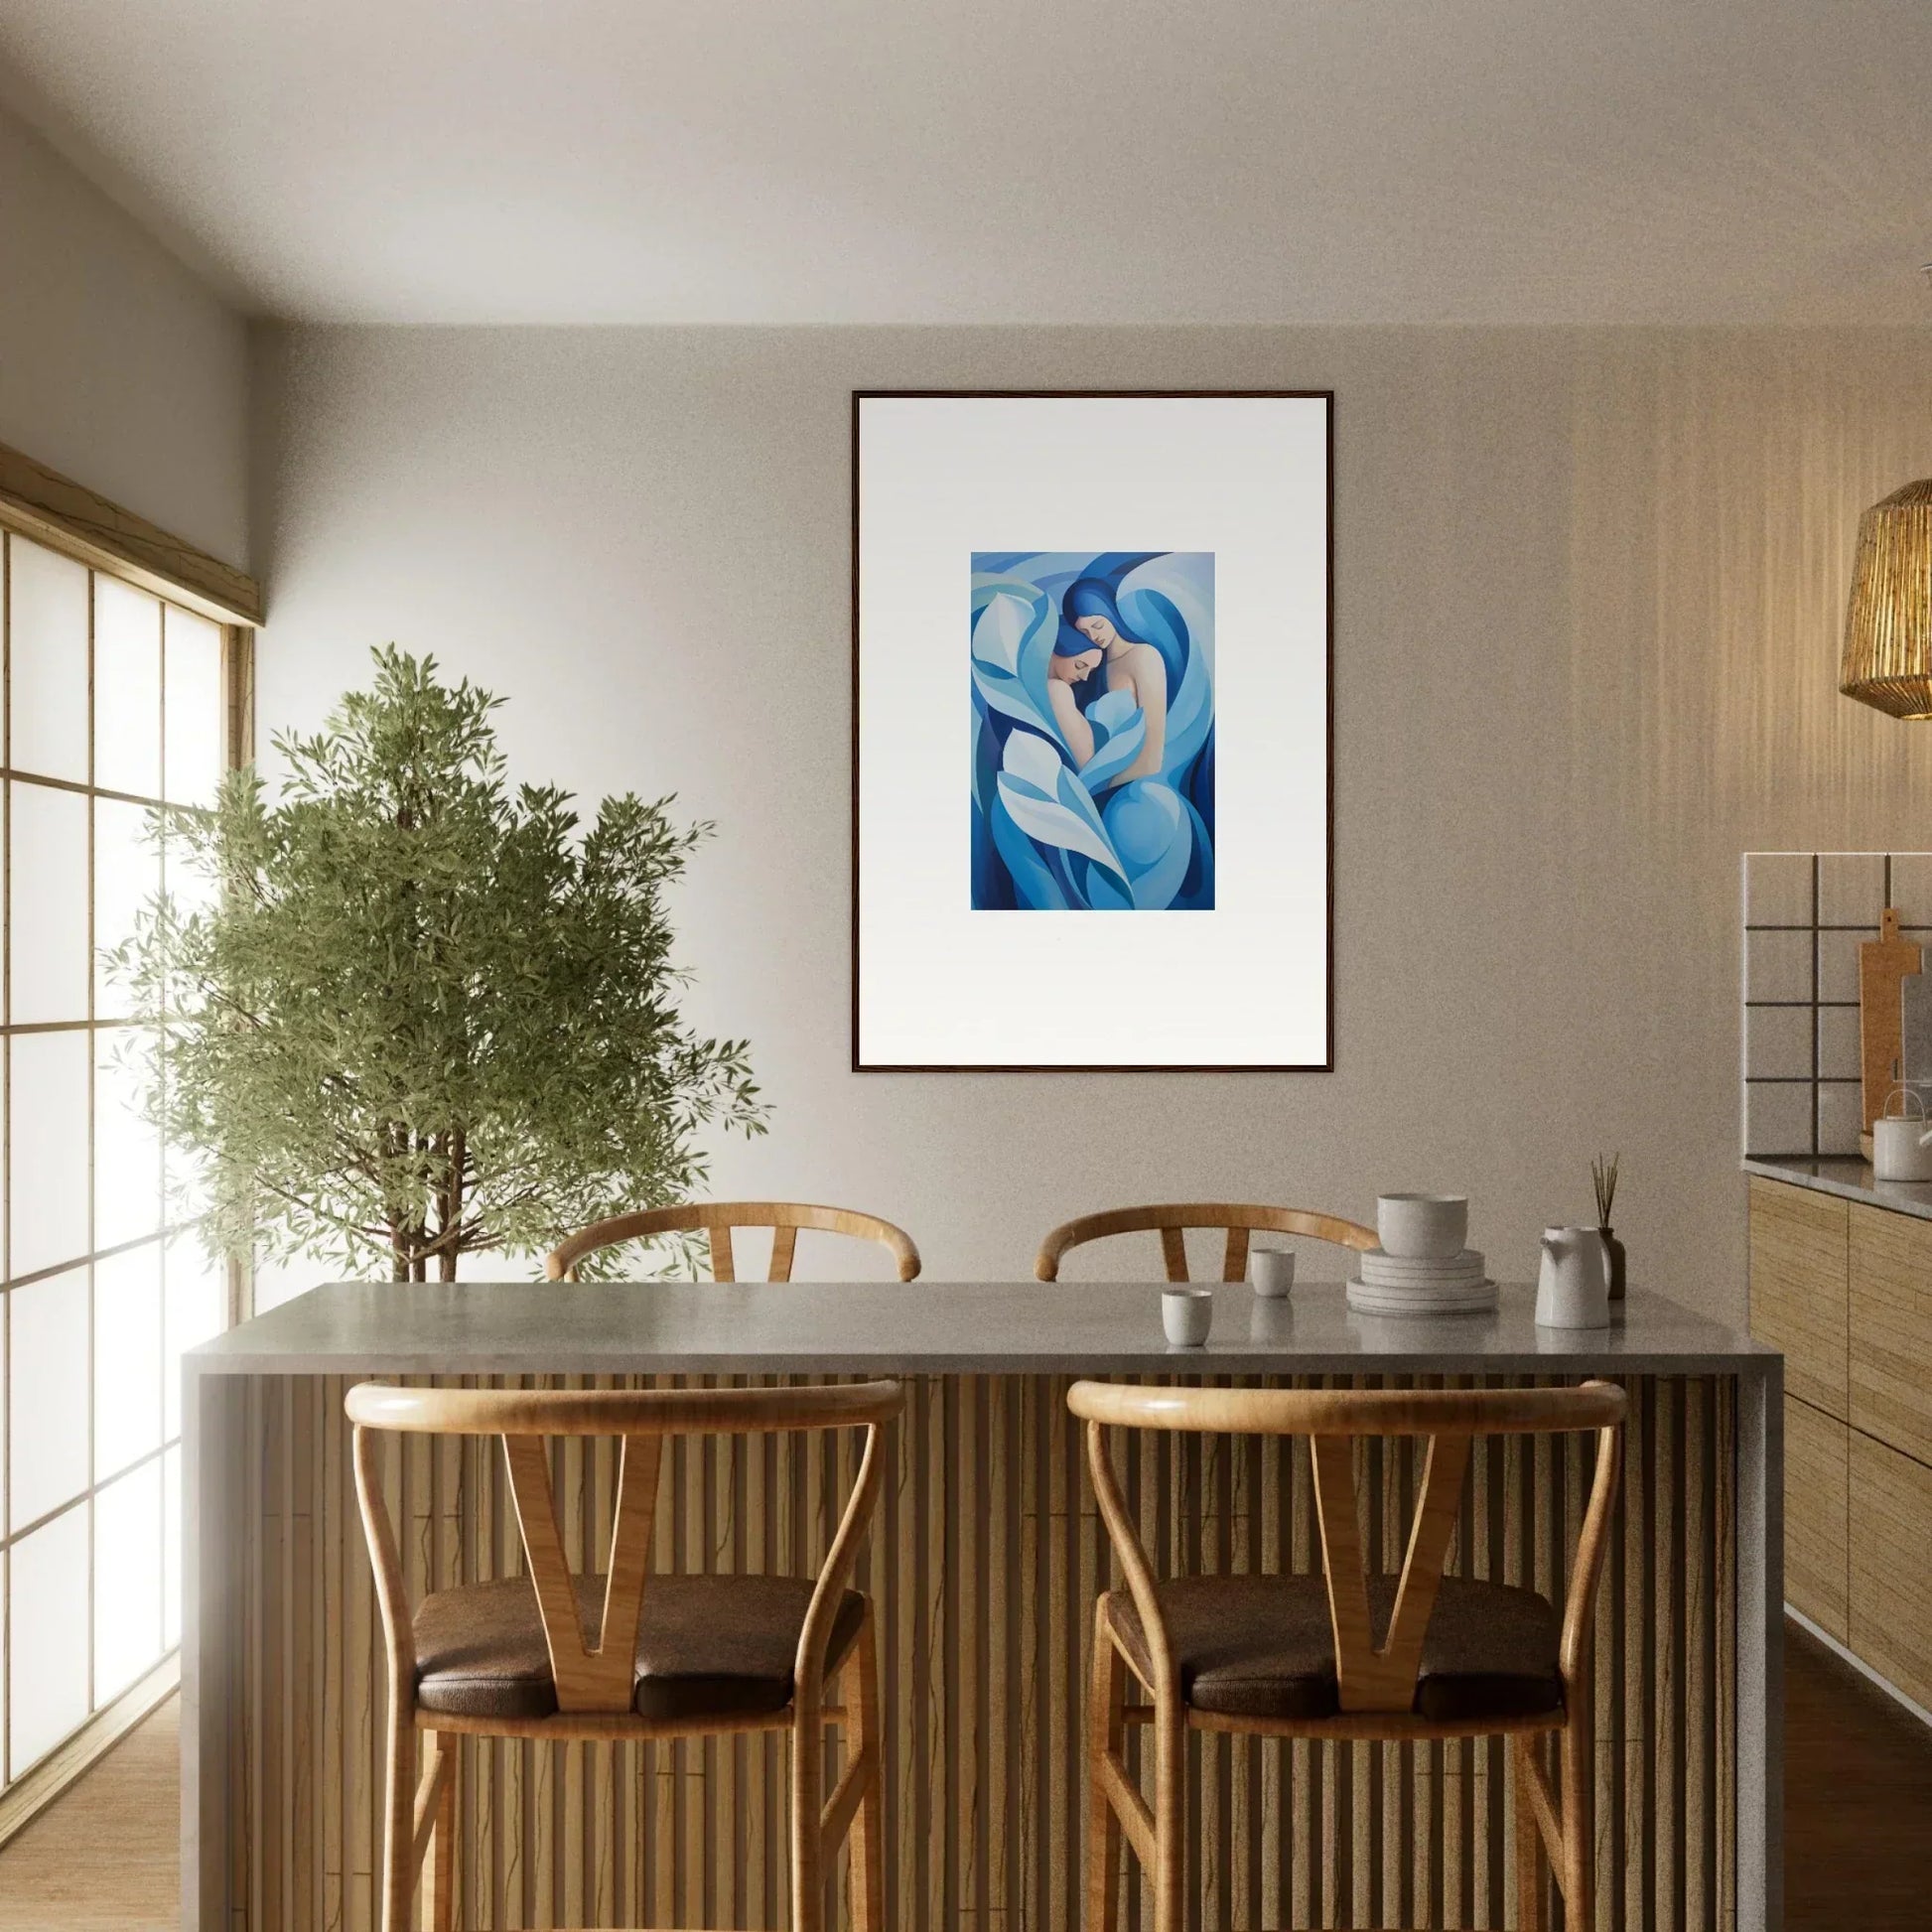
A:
[717, 1218]
[1372, 1676]
[597, 1676]
[1173, 1218]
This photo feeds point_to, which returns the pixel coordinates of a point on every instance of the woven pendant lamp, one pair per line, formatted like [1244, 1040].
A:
[1889, 629]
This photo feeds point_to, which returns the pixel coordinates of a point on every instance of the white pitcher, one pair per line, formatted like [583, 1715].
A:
[1573, 1289]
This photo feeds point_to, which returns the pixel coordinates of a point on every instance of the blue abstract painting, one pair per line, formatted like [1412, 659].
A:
[1093, 731]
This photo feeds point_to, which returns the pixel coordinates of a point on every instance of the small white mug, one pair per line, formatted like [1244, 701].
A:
[1272, 1270]
[1188, 1314]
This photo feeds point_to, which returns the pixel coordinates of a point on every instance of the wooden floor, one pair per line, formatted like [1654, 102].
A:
[1858, 1819]
[1857, 1800]
[107, 1852]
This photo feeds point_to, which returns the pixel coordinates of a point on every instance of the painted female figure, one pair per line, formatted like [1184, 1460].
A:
[1132, 666]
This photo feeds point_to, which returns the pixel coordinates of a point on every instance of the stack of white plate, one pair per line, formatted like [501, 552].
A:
[1417, 1284]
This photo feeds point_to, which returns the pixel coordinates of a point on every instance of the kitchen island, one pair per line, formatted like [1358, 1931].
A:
[985, 1558]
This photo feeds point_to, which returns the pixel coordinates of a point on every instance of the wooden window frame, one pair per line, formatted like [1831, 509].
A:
[47, 508]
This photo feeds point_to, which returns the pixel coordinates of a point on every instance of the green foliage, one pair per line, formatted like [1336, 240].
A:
[422, 1016]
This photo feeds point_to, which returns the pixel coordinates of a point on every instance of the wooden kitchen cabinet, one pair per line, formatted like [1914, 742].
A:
[1799, 1263]
[1892, 1330]
[1891, 1566]
[1844, 1288]
[1816, 1502]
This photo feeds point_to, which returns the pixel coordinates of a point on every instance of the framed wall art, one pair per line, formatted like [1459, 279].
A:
[1091, 730]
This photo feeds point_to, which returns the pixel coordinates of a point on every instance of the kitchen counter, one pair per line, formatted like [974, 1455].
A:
[932, 1328]
[1850, 1178]
[984, 1560]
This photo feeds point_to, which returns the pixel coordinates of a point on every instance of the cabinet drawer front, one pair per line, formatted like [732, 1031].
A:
[1891, 1567]
[1798, 1288]
[1817, 1495]
[1892, 1330]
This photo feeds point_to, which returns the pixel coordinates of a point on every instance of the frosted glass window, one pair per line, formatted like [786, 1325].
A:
[193, 761]
[47, 671]
[111, 694]
[127, 689]
[127, 1151]
[127, 1358]
[184, 1185]
[196, 1310]
[48, 1125]
[127, 1579]
[47, 1406]
[47, 1661]
[47, 844]
[127, 877]
[191, 887]
[170, 1506]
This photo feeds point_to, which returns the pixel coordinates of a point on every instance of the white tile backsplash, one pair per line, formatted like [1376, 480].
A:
[1777, 1042]
[1841, 1116]
[1778, 1117]
[1777, 966]
[1851, 887]
[1778, 887]
[1838, 962]
[1911, 888]
[1838, 1043]
[1803, 1064]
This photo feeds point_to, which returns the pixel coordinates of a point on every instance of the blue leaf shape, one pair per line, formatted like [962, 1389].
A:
[1103, 892]
[1049, 803]
[999, 635]
[1014, 626]
[1033, 883]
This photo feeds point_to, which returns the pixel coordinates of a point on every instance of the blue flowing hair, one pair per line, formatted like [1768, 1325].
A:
[1089, 597]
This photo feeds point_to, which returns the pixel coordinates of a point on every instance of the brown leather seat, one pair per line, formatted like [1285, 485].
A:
[1263, 1647]
[708, 1646]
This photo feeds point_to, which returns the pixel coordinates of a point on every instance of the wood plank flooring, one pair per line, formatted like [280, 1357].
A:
[1857, 1800]
[107, 1851]
[1857, 1819]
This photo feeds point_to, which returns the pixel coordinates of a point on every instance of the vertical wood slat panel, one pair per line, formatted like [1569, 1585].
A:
[984, 1559]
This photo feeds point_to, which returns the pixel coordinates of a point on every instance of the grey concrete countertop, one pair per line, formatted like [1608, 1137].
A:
[1850, 1178]
[931, 1328]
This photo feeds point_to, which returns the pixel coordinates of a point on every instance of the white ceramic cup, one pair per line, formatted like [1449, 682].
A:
[1272, 1270]
[1422, 1227]
[1187, 1313]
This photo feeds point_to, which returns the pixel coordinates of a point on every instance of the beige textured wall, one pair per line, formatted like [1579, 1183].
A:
[1588, 588]
[117, 366]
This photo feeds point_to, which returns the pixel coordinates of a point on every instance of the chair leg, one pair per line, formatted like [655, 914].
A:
[861, 1695]
[808, 1801]
[439, 1873]
[399, 1820]
[1106, 1729]
[1577, 1744]
[1530, 1896]
[1170, 1812]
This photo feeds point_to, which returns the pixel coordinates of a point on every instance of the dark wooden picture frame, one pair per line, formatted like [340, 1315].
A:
[1324, 396]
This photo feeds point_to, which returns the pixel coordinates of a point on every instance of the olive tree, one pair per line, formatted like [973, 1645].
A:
[406, 1013]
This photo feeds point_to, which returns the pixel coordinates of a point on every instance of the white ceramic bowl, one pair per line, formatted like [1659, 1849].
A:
[1429, 1227]
[1188, 1314]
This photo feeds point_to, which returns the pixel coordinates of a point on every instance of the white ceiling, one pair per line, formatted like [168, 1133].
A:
[1003, 161]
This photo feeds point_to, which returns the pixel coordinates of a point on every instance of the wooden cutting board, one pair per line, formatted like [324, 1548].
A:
[1885, 963]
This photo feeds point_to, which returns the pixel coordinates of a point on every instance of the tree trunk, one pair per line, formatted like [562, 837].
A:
[456, 1155]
